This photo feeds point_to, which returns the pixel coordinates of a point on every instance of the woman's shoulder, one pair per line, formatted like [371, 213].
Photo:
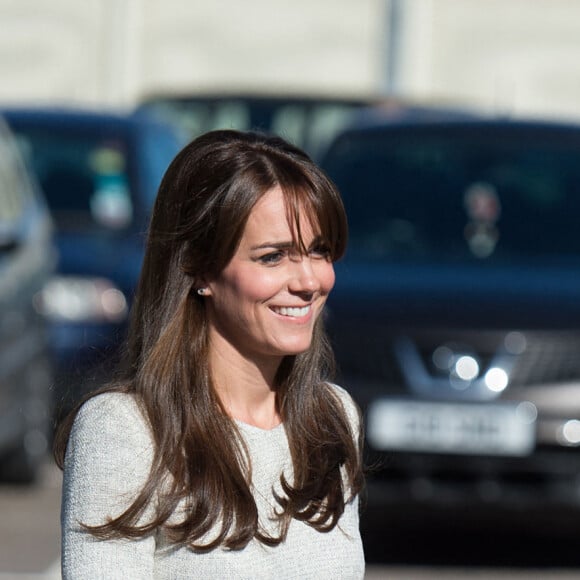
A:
[342, 394]
[111, 411]
[351, 408]
[110, 402]
[110, 428]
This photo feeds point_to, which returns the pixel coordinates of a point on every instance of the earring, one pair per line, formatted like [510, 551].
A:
[201, 291]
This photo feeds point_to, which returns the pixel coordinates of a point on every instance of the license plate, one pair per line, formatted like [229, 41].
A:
[483, 429]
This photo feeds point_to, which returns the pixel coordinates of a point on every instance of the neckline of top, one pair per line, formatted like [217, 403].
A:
[256, 429]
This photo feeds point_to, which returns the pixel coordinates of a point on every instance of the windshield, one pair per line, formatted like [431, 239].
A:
[309, 124]
[442, 195]
[85, 177]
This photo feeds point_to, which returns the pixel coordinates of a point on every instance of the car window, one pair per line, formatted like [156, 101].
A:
[16, 191]
[312, 126]
[12, 183]
[437, 197]
[85, 177]
[196, 118]
[159, 146]
[309, 124]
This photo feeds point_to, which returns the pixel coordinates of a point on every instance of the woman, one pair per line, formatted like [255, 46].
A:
[223, 451]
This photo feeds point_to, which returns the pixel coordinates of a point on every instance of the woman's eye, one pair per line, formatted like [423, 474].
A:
[271, 258]
[320, 251]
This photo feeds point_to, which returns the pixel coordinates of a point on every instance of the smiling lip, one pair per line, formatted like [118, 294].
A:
[293, 311]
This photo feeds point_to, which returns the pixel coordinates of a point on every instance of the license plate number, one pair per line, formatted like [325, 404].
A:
[486, 429]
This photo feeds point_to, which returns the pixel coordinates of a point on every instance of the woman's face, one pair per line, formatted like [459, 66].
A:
[267, 299]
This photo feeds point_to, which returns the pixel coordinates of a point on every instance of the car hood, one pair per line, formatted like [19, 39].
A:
[113, 257]
[446, 296]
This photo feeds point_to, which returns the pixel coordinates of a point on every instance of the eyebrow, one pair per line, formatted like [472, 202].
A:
[284, 245]
[275, 245]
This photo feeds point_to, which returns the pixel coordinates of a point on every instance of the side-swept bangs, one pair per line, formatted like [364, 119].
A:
[309, 196]
[312, 196]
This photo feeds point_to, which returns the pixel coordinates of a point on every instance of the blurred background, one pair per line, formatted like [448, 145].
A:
[510, 56]
[97, 96]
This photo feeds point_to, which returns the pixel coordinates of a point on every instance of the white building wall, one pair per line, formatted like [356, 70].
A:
[330, 45]
[50, 50]
[508, 56]
[112, 51]
[514, 56]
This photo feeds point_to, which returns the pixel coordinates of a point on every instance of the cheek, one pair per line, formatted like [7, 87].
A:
[256, 286]
[327, 277]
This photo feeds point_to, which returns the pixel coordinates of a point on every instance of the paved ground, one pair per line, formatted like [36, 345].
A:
[30, 543]
[29, 529]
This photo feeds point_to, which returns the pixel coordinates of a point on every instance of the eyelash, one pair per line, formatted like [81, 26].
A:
[321, 250]
[272, 258]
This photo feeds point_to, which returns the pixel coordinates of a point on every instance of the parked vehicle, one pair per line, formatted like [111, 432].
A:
[456, 315]
[100, 174]
[309, 121]
[27, 258]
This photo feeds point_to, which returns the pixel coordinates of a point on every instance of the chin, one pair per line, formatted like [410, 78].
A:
[296, 349]
[289, 345]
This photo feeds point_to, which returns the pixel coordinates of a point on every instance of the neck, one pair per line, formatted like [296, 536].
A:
[245, 385]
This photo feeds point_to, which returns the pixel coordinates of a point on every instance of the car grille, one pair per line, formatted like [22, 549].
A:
[548, 358]
[543, 357]
[368, 355]
[547, 474]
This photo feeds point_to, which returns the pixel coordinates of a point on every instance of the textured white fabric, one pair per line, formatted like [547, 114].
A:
[108, 459]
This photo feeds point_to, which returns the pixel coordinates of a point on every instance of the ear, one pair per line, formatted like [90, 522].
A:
[202, 288]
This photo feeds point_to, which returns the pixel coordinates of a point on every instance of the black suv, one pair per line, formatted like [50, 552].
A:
[27, 257]
[456, 314]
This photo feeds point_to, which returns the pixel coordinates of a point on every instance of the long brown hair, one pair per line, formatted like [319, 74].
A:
[198, 219]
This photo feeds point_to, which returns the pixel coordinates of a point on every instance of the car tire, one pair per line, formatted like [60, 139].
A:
[21, 463]
[19, 466]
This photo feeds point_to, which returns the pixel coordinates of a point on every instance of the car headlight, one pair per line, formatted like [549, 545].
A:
[81, 299]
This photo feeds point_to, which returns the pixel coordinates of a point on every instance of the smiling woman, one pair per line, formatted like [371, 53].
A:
[223, 450]
[267, 299]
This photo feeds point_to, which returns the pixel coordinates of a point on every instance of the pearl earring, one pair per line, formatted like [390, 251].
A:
[201, 291]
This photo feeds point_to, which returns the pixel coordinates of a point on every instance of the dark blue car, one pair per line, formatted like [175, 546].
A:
[456, 316]
[100, 173]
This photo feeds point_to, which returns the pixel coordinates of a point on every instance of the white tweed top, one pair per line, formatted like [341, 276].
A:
[108, 459]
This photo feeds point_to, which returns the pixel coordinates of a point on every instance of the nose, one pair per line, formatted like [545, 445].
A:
[303, 279]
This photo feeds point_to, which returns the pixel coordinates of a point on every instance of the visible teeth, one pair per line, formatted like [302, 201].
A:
[296, 312]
